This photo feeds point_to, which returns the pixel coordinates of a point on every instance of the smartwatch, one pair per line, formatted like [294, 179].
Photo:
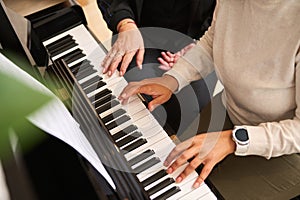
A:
[241, 139]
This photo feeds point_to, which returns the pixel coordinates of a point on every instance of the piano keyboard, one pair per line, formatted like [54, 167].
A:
[135, 131]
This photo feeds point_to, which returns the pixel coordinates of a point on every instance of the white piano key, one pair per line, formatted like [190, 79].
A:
[134, 107]
[87, 78]
[109, 111]
[188, 192]
[76, 62]
[139, 115]
[135, 118]
[208, 196]
[173, 175]
[161, 149]
[150, 141]
[111, 87]
[190, 179]
[139, 123]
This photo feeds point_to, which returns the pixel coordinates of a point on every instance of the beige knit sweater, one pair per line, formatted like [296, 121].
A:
[254, 47]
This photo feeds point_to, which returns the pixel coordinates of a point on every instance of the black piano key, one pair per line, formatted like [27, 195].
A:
[135, 145]
[104, 100]
[117, 122]
[85, 67]
[168, 193]
[128, 139]
[59, 42]
[75, 57]
[72, 56]
[147, 165]
[81, 67]
[91, 81]
[160, 186]
[93, 87]
[154, 177]
[107, 106]
[64, 47]
[84, 73]
[100, 94]
[124, 132]
[75, 68]
[141, 157]
[113, 116]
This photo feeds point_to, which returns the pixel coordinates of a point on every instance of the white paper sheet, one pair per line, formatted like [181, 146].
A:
[55, 119]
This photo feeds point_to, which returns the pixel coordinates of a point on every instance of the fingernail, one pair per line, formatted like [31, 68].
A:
[140, 66]
[121, 73]
[170, 170]
[196, 185]
[123, 95]
[178, 179]
[166, 163]
[150, 108]
[109, 73]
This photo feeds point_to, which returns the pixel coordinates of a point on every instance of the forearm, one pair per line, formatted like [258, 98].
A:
[194, 65]
[278, 138]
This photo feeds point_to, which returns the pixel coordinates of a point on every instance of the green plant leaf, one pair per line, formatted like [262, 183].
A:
[17, 101]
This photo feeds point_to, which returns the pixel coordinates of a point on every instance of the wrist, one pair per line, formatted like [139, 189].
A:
[170, 82]
[126, 24]
[227, 136]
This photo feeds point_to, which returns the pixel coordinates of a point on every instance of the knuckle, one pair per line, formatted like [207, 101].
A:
[194, 164]
[206, 171]
[185, 156]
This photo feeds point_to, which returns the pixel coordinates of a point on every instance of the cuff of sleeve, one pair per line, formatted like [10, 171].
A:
[182, 82]
[259, 142]
[117, 17]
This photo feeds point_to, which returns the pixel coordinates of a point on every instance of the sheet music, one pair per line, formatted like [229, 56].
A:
[55, 119]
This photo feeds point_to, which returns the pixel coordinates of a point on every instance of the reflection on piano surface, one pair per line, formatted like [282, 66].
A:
[130, 140]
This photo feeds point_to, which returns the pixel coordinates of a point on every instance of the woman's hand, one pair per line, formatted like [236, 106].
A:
[159, 88]
[128, 44]
[207, 149]
[159, 93]
[168, 59]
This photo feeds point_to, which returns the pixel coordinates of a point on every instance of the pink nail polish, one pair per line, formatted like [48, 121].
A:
[196, 185]
[178, 179]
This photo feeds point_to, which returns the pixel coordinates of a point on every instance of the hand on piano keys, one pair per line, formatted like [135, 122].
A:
[207, 149]
[129, 43]
[137, 134]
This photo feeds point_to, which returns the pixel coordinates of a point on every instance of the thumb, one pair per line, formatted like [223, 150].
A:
[140, 58]
[156, 102]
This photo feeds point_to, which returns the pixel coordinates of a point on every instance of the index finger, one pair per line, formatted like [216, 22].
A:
[181, 147]
[128, 91]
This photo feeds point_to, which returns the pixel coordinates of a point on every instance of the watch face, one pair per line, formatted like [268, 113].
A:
[242, 135]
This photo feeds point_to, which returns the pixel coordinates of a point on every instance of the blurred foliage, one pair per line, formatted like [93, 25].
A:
[17, 101]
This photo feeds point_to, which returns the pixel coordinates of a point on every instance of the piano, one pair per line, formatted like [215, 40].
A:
[128, 139]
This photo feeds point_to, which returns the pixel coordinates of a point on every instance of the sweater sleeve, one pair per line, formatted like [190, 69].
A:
[114, 11]
[274, 139]
[198, 61]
